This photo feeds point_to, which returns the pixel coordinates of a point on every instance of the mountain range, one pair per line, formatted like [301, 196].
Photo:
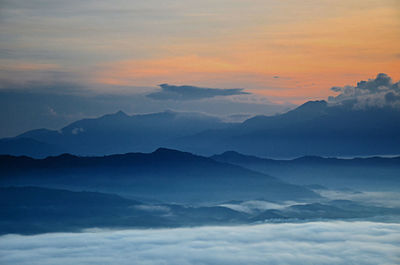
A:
[371, 173]
[314, 128]
[164, 175]
[170, 188]
[111, 134]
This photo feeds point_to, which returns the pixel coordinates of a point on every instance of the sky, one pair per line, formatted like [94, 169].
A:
[270, 55]
[333, 242]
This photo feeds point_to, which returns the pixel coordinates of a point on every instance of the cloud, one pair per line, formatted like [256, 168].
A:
[171, 92]
[254, 206]
[375, 198]
[153, 208]
[296, 243]
[378, 92]
[240, 117]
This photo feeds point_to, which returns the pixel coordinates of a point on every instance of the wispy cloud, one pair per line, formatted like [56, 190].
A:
[305, 243]
[172, 92]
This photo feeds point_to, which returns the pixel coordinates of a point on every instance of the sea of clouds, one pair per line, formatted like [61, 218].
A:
[286, 243]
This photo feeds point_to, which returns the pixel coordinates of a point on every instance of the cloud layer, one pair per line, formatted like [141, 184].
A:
[378, 92]
[302, 243]
[171, 92]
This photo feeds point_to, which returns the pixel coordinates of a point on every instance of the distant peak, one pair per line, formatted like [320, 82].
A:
[163, 150]
[314, 103]
[170, 152]
[64, 156]
[311, 107]
[231, 153]
[120, 113]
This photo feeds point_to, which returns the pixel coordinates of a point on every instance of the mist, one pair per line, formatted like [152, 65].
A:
[334, 242]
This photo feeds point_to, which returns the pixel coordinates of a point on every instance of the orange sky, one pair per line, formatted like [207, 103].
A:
[310, 45]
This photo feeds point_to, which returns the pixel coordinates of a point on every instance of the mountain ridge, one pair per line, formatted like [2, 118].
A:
[358, 173]
[315, 128]
[164, 174]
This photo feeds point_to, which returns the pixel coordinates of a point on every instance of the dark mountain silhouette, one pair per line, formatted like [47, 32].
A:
[360, 173]
[28, 146]
[165, 175]
[314, 128]
[115, 133]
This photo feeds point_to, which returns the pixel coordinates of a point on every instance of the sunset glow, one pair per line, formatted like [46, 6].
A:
[291, 51]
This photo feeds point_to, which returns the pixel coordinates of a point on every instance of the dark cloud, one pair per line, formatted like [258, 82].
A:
[377, 92]
[171, 92]
[336, 89]
[302, 243]
[391, 97]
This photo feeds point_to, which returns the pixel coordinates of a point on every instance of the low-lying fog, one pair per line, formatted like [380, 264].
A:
[376, 198]
[334, 242]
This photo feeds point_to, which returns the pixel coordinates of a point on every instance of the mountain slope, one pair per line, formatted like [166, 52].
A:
[165, 175]
[360, 173]
[315, 128]
[28, 146]
[118, 133]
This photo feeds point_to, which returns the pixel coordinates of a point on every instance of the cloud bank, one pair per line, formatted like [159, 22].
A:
[171, 92]
[302, 243]
[378, 92]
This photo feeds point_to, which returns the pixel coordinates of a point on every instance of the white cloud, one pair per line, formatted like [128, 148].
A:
[376, 198]
[254, 206]
[300, 243]
[153, 208]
